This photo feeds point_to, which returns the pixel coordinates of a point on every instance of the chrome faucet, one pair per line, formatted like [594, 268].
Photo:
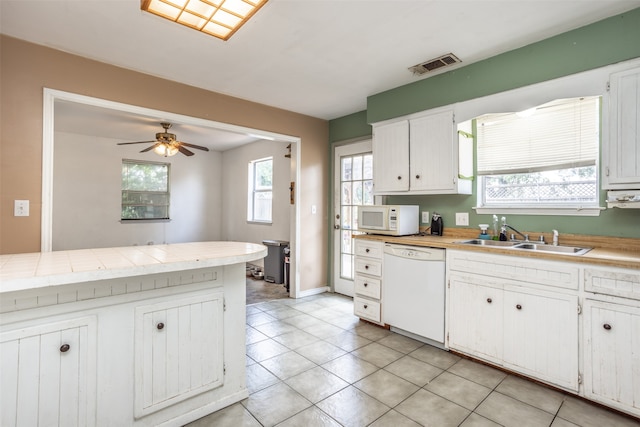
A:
[524, 236]
[555, 237]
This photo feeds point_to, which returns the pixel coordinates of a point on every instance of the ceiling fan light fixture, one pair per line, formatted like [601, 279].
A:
[219, 18]
[165, 150]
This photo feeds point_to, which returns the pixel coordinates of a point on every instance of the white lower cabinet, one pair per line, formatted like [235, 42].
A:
[541, 335]
[521, 325]
[612, 359]
[367, 301]
[475, 318]
[49, 374]
[178, 351]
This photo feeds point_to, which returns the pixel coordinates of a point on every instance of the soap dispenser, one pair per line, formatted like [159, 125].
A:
[483, 232]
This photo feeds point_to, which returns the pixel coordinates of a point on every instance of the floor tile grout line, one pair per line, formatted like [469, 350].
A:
[352, 330]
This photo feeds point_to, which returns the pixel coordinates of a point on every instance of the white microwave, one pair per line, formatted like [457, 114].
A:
[394, 220]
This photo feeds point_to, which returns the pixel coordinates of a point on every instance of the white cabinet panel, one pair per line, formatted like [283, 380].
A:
[391, 157]
[621, 153]
[541, 335]
[433, 153]
[49, 373]
[612, 359]
[367, 309]
[475, 318]
[178, 351]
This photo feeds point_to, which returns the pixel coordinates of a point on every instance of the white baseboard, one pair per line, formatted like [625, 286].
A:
[314, 291]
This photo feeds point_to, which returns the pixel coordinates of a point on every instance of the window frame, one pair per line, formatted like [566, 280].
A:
[253, 191]
[151, 193]
[567, 208]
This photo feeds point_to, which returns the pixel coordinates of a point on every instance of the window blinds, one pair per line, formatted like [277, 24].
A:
[558, 135]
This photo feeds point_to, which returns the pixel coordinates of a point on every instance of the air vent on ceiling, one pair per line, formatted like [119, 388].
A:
[434, 64]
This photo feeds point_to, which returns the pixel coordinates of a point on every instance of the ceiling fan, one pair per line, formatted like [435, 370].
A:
[166, 144]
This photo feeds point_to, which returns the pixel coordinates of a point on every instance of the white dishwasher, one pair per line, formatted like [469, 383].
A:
[413, 289]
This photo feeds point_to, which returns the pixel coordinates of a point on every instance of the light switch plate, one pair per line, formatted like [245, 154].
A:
[20, 208]
[462, 218]
[425, 217]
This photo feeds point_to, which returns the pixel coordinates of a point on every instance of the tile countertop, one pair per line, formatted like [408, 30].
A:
[20, 272]
[607, 251]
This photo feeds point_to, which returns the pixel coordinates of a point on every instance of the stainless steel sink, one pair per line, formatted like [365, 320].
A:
[566, 250]
[482, 242]
[528, 246]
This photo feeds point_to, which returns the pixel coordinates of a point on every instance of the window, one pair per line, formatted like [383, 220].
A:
[540, 158]
[356, 184]
[145, 190]
[260, 190]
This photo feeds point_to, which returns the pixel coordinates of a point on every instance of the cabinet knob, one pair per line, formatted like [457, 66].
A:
[607, 326]
[160, 326]
[64, 348]
[367, 250]
[366, 267]
[399, 177]
[417, 176]
[519, 307]
[365, 285]
[366, 306]
[489, 300]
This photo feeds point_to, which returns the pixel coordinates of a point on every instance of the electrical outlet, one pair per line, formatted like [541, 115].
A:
[462, 218]
[425, 217]
[20, 208]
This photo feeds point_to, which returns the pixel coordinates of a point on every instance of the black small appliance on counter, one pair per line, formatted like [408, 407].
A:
[436, 225]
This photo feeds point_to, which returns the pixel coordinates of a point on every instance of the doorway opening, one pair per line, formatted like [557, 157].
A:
[55, 97]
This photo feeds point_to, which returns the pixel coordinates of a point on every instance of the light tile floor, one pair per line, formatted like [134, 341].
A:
[311, 362]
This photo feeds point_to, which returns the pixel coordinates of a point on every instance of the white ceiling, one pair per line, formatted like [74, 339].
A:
[321, 58]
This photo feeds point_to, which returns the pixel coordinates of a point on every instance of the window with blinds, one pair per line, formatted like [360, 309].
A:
[543, 157]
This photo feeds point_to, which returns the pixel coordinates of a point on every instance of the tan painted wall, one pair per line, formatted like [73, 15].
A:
[25, 69]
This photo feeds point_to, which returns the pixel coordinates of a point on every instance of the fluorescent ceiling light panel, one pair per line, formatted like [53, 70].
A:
[219, 18]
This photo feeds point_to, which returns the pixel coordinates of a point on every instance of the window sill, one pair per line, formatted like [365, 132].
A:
[131, 220]
[260, 222]
[565, 211]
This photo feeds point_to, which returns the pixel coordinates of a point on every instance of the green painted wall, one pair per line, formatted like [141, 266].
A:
[602, 43]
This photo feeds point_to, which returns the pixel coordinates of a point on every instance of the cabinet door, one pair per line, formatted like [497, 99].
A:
[541, 335]
[178, 350]
[391, 157]
[433, 154]
[49, 375]
[622, 165]
[612, 359]
[475, 318]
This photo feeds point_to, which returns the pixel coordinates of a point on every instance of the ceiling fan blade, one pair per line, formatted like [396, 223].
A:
[150, 147]
[137, 142]
[199, 147]
[185, 151]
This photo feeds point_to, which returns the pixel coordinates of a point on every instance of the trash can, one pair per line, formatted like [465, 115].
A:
[274, 262]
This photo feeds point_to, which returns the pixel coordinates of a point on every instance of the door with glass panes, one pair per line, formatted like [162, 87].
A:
[353, 187]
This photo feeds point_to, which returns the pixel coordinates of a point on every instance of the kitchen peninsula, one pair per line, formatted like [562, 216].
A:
[140, 336]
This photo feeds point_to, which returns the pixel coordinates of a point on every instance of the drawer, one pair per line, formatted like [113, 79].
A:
[367, 286]
[366, 309]
[368, 266]
[369, 249]
[618, 282]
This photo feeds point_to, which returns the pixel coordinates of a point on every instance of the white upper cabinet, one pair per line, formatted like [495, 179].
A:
[419, 155]
[391, 157]
[621, 152]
